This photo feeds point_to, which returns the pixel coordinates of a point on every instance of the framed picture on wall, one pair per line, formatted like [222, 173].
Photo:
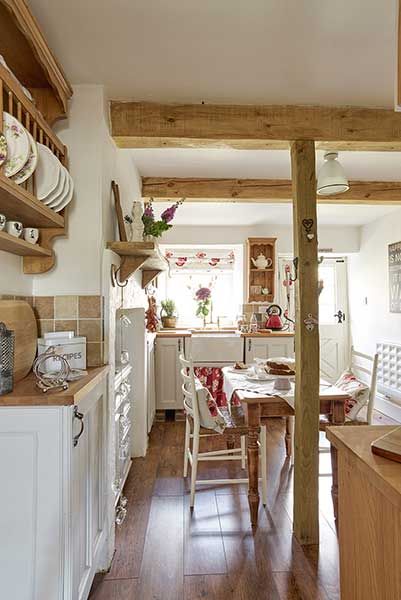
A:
[394, 276]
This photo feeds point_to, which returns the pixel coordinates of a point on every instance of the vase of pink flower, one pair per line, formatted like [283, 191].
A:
[203, 298]
[153, 228]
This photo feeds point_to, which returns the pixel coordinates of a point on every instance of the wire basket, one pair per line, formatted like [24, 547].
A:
[6, 359]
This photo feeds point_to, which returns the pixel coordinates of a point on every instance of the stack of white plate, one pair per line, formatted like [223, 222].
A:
[22, 156]
[54, 185]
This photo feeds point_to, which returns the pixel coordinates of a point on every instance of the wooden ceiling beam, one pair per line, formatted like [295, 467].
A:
[154, 125]
[262, 191]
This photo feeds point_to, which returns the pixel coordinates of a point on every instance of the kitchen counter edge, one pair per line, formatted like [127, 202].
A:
[25, 392]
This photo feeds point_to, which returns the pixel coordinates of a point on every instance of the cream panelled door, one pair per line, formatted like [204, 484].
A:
[333, 318]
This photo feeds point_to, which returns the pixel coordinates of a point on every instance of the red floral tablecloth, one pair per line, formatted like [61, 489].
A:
[212, 378]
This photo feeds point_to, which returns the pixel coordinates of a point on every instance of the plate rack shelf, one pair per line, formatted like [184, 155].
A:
[40, 73]
[144, 256]
[261, 282]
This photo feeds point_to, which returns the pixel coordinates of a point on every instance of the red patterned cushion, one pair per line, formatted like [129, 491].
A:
[356, 389]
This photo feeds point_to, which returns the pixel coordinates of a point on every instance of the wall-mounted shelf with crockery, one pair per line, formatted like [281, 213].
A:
[144, 256]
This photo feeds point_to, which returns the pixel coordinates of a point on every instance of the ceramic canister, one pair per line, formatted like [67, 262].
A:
[2, 222]
[14, 228]
[30, 234]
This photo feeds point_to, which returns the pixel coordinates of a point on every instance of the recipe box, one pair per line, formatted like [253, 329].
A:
[72, 349]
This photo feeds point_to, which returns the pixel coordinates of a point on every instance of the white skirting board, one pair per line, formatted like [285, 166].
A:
[389, 408]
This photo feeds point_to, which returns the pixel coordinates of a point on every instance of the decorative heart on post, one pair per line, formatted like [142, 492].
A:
[310, 322]
[307, 224]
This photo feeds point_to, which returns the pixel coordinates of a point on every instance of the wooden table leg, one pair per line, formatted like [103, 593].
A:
[253, 461]
[337, 417]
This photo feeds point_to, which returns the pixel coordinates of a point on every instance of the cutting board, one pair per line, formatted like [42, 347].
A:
[389, 445]
[19, 317]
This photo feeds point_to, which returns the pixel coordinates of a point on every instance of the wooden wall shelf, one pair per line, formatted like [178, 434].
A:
[28, 56]
[9, 243]
[137, 255]
[18, 204]
[261, 278]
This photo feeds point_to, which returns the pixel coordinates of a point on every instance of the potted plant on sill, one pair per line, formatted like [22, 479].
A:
[168, 314]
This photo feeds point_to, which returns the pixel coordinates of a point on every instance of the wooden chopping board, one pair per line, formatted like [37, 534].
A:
[19, 317]
[389, 445]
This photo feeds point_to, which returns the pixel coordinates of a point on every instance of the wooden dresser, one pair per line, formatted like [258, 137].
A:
[369, 516]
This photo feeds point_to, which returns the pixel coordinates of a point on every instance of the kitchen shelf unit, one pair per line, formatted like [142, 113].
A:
[263, 278]
[10, 243]
[144, 256]
[26, 52]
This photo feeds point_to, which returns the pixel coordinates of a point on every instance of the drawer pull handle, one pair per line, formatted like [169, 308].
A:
[78, 415]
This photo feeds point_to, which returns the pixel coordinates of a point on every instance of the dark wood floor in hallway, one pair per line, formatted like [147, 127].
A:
[165, 553]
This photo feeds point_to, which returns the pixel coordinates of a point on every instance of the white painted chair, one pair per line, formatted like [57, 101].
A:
[194, 432]
[366, 364]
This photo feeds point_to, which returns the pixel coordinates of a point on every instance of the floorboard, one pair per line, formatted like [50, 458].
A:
[165, 552]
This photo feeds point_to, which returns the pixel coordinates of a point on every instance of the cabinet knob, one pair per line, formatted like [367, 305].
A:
[249, 344]
[179, 345]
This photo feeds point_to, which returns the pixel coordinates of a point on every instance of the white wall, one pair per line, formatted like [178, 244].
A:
[12, 279]
[368, 279]
[92, 164]
[339, 239]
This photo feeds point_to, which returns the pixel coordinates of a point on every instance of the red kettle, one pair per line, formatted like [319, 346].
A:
[274, 321]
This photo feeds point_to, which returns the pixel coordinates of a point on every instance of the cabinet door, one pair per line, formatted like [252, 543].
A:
[151, 387]
[88, 489]
[168, 383]
[268, 347]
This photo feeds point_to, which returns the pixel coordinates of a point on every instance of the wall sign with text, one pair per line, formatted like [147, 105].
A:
[394, 279]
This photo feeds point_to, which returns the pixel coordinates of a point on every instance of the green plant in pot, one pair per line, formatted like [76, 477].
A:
[168, 314]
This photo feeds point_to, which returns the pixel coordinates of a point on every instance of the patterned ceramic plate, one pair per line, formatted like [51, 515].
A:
[3, 148]
[30, 164]
[17, 143]
[47, 173]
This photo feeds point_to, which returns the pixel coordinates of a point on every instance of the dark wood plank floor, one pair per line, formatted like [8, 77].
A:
[165, 553]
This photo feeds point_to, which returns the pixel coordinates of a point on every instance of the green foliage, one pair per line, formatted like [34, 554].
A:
[168, 306]
[155, 228]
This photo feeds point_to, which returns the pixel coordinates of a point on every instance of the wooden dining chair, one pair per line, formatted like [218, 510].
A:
[234, 425]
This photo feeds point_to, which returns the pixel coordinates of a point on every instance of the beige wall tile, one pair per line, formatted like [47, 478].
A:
[28, 299]
[45, 326]
[66, 307]
[44, 307]
[90, 307]
[94, 354]
[7, 297]
[66, 325]
[91, 329]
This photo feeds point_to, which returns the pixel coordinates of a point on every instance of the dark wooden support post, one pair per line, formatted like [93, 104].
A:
[306, 469]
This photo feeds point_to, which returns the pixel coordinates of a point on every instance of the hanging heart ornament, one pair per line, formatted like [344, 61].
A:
[310, 322]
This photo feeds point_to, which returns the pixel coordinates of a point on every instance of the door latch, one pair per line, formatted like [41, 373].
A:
[340, 315]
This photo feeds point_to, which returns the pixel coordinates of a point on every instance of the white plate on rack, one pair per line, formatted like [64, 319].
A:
[69, 196]
[30, 165]
[62, 195]
[47, 173]
[18, 145]
[57, 194]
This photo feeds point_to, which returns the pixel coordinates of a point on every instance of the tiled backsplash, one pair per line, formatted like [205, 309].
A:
[81, 314]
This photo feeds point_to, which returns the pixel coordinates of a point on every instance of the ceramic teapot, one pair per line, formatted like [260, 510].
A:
[261, 262]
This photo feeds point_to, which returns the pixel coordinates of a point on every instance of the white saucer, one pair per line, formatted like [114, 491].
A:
[69, 195]
[56, 195]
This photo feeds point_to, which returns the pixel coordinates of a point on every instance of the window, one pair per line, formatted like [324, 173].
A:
[218, 268]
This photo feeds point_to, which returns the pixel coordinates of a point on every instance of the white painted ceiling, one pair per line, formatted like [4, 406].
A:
[261, 51]
[207, 214]
[270, 51]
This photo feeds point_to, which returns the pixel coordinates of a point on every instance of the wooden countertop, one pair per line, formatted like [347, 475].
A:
[188, 333]
[384, 474]
[25, 392]
[267, 334]
[174, 333]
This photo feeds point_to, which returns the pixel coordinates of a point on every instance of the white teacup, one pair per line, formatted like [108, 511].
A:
[14, 228]
[30, 234]
[2, 222]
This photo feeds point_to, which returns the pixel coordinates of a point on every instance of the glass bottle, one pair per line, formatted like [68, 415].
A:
[253, 323]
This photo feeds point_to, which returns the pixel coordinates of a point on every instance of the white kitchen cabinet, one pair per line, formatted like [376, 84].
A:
[151, 381]
[268, 347]
[53, 505]
[168, 379]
